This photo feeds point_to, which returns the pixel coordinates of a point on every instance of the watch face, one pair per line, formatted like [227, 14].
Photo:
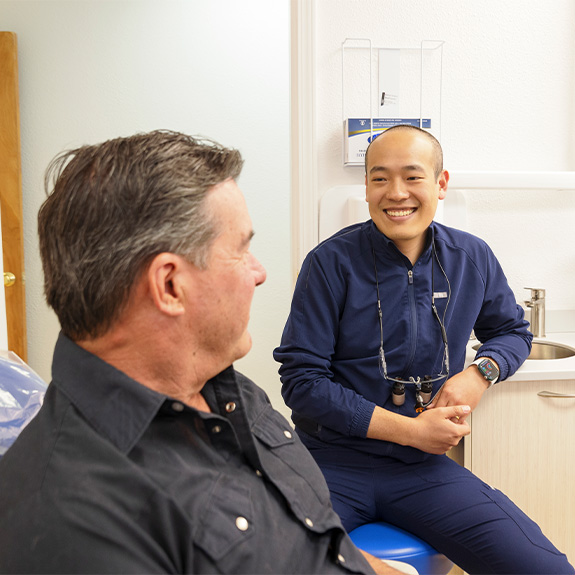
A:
[488, 369]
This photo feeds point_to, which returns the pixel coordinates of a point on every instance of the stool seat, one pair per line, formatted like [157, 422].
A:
[385, 541]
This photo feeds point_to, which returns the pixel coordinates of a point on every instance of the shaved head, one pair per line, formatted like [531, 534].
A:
[437, 151]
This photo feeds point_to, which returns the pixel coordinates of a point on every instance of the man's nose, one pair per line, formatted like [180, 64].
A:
[260, 273]
[397, 189]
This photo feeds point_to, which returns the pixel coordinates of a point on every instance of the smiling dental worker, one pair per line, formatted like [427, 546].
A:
[372, 365]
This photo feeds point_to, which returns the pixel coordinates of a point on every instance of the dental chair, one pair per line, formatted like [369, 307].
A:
[391, 544]
[21, 395]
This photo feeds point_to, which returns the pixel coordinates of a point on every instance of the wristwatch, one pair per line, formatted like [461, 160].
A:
[487, 369]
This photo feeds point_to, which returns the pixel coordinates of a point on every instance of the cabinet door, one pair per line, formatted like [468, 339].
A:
[523, 444]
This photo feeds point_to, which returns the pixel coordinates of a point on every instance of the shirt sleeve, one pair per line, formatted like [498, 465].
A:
[71, 537]
[308, 346]
[501, 326]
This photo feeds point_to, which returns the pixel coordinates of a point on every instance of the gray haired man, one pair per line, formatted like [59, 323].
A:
[150, 453]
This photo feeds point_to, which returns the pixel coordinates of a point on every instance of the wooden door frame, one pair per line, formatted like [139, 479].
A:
[11, 194]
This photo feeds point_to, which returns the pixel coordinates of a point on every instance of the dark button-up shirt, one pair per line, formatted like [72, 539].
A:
[112, 477]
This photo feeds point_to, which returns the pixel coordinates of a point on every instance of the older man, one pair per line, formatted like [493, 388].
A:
[150, 453]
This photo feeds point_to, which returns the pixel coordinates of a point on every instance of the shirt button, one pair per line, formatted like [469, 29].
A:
[242, 523]
[230, 406]
[288, 434]
[177, 406]
[216, 429]
[341, 558]
[308, 522]
[259, 473]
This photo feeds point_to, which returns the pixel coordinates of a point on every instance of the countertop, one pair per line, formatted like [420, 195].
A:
[540, 369]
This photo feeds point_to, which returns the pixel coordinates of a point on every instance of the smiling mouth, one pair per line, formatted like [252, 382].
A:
[399, 213]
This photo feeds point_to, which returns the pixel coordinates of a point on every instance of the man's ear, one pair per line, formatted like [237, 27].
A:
[443, 181]
[165, 277]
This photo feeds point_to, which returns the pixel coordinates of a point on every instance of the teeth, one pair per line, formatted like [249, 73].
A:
[397, 213]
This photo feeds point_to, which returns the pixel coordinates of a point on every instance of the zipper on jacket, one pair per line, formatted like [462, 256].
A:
[413, 314]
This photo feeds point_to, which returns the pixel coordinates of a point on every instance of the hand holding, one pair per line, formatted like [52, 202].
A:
[438, 430]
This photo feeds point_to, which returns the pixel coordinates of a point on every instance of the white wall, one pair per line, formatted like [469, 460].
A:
[508, 104]
[92, 70]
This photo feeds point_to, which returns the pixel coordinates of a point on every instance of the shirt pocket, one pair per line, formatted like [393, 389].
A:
[228, 519]
[288, 463]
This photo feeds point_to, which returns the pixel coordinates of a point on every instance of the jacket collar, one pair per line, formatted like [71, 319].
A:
[385, 246]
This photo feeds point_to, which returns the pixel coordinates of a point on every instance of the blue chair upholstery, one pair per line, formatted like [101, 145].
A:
[21, 395]
[385, 541]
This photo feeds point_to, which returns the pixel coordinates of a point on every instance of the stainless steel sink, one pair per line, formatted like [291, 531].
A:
[546, 350]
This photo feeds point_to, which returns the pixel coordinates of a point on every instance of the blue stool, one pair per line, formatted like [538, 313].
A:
[385, 541]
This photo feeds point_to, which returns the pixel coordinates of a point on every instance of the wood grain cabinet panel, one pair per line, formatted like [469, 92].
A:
[524, 445]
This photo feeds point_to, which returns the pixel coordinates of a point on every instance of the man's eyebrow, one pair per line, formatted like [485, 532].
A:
[408, 168]
[248, 238]
[413, 168]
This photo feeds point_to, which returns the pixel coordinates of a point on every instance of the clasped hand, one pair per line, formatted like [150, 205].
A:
[439, 429]
[444, 423]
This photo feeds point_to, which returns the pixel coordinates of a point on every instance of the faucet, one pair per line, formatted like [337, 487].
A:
[537, 305]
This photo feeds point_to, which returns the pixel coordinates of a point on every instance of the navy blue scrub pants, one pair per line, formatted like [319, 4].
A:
[477, 527]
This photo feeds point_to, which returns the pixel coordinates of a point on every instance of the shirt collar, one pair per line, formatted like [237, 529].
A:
[115, 405]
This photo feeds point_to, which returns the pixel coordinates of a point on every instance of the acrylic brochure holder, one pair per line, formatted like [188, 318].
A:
[382, 87]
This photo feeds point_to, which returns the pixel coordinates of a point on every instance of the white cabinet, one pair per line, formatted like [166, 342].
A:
[524, 445]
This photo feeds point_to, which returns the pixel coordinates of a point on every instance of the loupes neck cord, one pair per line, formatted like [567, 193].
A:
[423, 386]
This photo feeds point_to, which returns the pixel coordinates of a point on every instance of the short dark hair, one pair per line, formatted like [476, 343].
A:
[437, 150]
[115, 206]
